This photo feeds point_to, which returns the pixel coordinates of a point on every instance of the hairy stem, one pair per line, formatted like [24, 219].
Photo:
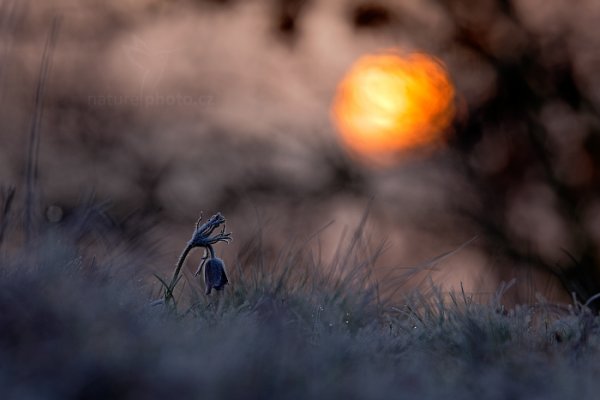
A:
[178, 266]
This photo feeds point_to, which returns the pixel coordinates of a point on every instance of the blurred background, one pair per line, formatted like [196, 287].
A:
[164, 108]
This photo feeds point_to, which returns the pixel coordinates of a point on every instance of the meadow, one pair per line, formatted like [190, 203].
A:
[135, 299]
[79, 318]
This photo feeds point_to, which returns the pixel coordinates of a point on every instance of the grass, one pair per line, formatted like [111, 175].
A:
[289, 326]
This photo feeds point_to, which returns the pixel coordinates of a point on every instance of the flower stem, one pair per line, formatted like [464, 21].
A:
[178, 266]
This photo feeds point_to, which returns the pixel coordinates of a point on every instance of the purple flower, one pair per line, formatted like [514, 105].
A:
[204, 236]
[214, 275]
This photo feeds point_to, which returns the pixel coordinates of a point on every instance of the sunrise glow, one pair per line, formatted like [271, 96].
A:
[387, 104]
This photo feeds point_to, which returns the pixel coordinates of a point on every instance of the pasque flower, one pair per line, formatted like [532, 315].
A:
[214, 275]
[214, 272]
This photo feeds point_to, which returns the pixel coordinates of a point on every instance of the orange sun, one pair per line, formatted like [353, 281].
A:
[388, 103]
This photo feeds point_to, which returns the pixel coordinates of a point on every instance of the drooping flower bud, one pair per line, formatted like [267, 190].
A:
[214, 275]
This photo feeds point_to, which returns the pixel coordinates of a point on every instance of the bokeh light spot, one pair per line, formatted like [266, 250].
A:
[387, 104]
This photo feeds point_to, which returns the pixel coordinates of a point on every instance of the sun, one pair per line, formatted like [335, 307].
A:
[387, 104]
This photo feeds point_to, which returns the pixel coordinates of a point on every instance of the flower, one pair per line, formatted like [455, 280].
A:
[214, 275]
[202, 238]
[214, 268]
